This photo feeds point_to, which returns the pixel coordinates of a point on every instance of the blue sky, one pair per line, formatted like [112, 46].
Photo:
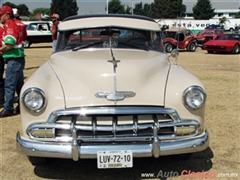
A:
[98, 6]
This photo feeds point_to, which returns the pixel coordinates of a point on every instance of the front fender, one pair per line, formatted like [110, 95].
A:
[170, 40]
[178, 80]
[45, 79]
[188, 41]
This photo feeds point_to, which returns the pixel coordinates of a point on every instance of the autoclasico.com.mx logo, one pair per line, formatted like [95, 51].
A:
[188, 174]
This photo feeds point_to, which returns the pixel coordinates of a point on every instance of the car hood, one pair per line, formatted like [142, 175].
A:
[84, 73]
[219, 42]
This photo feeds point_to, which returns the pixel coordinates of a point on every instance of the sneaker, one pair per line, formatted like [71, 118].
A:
[6, 113]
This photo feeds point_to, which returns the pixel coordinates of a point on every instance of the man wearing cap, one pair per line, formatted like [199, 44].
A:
[13, 54]
[55, 20]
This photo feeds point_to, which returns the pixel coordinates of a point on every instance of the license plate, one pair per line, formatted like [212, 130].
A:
[114, 159]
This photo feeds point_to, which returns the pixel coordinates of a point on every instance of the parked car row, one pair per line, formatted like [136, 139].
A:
[181, 38]
[212, 40]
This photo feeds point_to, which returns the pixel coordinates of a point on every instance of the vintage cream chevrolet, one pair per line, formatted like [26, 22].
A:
[111, 93]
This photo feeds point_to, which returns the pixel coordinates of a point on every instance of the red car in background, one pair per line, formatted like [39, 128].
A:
[208, 34]
[228, 43]
[180, 38]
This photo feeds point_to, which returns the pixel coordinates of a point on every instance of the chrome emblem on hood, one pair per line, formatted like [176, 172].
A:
[115, 95]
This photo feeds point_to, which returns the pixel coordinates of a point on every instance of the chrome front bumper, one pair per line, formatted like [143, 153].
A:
[77, 151]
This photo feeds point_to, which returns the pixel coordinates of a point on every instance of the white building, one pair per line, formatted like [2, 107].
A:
[219, 13]
[197, 25]
[228, 13]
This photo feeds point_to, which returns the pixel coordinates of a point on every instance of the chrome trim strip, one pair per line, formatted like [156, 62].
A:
[114, 128]
[156, 149]
[74, 145]
[135, 124]
[94, 125]
[146, 149]
[114, 125]
[113, 111]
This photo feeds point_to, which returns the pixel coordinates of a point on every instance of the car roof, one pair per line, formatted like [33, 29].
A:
[212, 30]
[104, 20]
[38, 22]
[180, 29]
[208, 30]
[214, 26]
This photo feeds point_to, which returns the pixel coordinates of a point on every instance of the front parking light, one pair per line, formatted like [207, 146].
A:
[43, 132]
[183, 130]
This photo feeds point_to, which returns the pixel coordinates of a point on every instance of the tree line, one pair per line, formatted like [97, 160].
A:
[158, 9]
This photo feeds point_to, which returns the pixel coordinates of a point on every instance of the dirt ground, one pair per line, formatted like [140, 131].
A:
[220, 73]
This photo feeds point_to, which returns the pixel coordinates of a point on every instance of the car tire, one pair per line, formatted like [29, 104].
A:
[37, 160]
[27, 43]
[236, 49]
[192, 46]
[168, 47]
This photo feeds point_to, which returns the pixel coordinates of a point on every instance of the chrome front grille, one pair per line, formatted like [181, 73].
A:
[101, 124]
[118, 126]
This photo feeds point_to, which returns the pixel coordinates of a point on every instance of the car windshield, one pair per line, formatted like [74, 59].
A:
[179, 36]
[170, 34]
[109, 37]
[31, 26]
[230, 37]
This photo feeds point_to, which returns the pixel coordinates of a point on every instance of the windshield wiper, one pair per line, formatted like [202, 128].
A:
[134, 46]
[86, 45]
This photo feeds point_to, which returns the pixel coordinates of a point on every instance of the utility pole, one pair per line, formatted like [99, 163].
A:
[132, 7]
[107, 8]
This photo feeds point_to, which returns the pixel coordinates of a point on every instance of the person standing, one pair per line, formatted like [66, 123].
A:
[21, 27]
[14, 57]
[55, 20]
[2, 64]
[23, 36]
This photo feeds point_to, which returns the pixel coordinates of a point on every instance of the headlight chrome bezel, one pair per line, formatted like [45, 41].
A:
[39, 92]
[194, 89]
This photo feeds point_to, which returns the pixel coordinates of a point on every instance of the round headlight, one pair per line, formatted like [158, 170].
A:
[34, 99]
[194, 97]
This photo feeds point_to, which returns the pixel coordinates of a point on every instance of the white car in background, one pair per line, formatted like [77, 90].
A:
[37, 32]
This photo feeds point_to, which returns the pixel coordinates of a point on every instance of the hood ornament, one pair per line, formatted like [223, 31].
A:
[115, 95]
